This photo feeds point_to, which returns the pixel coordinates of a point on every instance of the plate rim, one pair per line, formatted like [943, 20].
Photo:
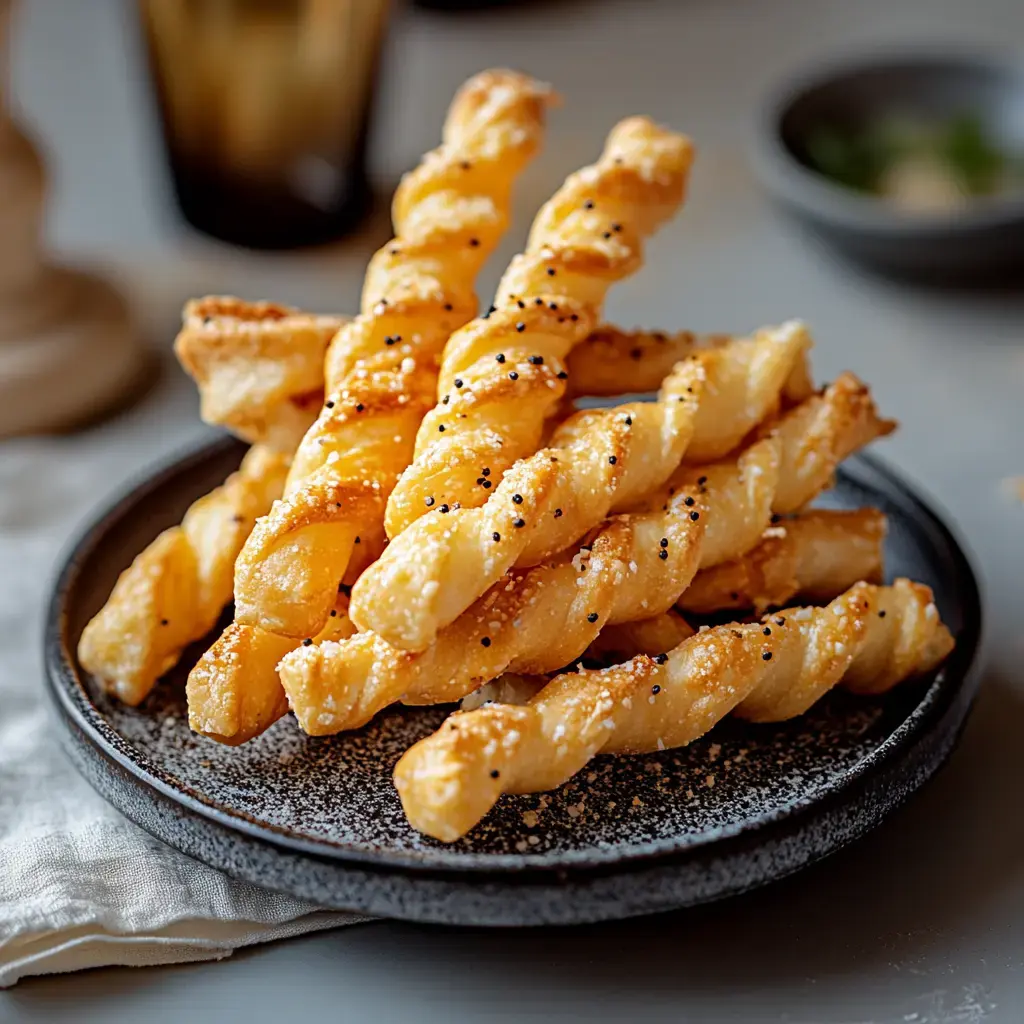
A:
[65, 683]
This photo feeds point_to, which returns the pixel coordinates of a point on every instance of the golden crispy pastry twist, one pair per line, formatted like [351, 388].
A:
[234, 692]
[615, 644]
[381, 368]
[869, 639]
[599, 462]
[814, 556]
[633, 567]
[503, 374]
[174, 591]
[258, 366]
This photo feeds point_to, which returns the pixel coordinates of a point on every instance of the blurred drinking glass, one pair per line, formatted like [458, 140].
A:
[265, 107]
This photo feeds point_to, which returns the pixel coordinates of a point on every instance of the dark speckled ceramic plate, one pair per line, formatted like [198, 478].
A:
[319, 818]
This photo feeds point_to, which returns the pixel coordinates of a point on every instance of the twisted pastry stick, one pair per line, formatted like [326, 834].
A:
[174, 591]
[599, 462]
[869, 638]
[234, 692]
[634, 567]
[616, 643]
[258, 365]
[503, 374]
[814, 555]
[381, 368]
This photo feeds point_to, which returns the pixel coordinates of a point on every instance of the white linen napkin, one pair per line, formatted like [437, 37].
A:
[80, 886]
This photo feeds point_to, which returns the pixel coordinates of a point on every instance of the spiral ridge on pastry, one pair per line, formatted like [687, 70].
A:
[598, 462]
[175, 589]
[869, 639]
[381, 368]
[504, 373]
[258, 366]
[633, 567]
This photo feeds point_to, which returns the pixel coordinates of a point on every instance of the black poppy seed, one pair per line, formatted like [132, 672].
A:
[307, 642]
[767, 656]
[695, 516]
[551, 271]
[520, 304]
[655, 689]
[536, 360]
[492, 309]
[688, 501]
[635, 353]
[329, 405]
[500, 357]
[780, 621]
[429, 501]
[628, 421]
[495, 773]
[520, 327]
[589, 204]
[574, 317]
[558, 513]
[344, 588]
[394, 251]
[440, 428]
[389, 340]
[606, 234]
[701, 480]
[486, 471]
[562, 375]
[495, 536]
[446, 399]
[207, 319]
[464, 164]
[356, 541]
[448, 307]
[453, 727]
[360, 407]
[337, 504]
[664, 542]
[553, 305]
[334, 613]
[616, 227]
[474, 242]
[443, 510]
[457, 382]
[663, 554]
[486, 641]
[881, 614]
[517, 498]
[519, 523]
[486, 484]
[592, 617]
[513, 375]
[661, 658]
[164, 622]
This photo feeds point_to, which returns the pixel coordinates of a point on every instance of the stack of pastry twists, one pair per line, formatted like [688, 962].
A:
[381, 368]
[869, 639]
[503, 374]
[598, 462]
[524, 536]
[633, 567]
[174, 591]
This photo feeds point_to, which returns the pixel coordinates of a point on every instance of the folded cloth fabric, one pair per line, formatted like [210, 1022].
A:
[80, 886]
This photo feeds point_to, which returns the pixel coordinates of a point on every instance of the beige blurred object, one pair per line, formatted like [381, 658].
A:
[67, 346]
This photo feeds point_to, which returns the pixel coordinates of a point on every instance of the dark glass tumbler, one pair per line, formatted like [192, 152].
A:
[265, 106]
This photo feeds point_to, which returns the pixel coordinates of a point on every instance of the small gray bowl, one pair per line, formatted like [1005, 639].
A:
[981, 244]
